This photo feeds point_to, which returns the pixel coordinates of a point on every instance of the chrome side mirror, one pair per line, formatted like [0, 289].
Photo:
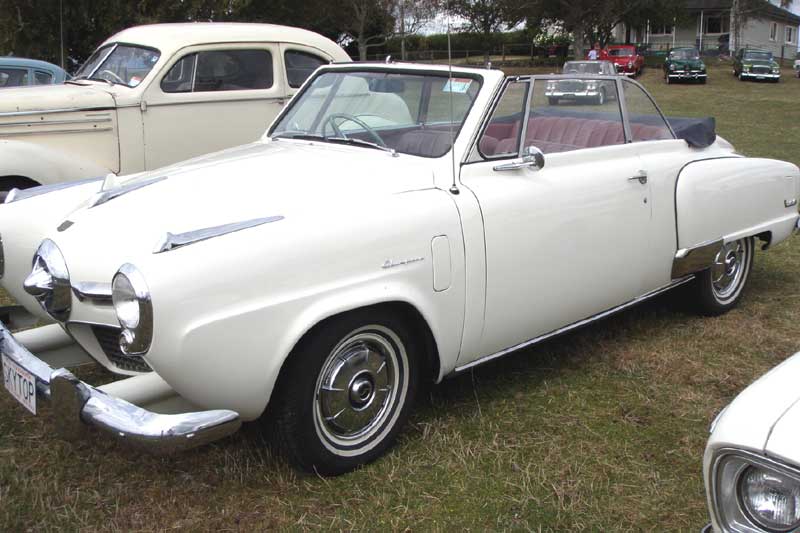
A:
[532, 158]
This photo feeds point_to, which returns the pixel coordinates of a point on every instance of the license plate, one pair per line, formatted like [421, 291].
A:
[20, 383]
[759, 77]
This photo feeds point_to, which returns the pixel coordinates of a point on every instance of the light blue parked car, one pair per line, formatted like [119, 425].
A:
[18, 71]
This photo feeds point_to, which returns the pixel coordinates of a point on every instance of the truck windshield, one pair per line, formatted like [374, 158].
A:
[123, 64]
[758, 56]
[417, 114]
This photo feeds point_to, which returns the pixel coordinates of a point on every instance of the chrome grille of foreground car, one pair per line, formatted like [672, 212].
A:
[108, 338]
[761, 70]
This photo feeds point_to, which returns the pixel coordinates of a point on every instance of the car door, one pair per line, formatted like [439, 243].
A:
[210, 98]
[563, 242]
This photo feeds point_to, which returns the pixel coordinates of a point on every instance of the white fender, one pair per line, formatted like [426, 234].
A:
[736, 197]
[44, 165]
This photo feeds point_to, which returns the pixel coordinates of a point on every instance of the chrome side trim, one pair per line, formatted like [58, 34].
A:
[23, 194]
[49, 132]
[54, 111]
[694, 259]
[76, 404]
[96, 293]
[172, 241]
[106, 117]
[259, 98]
[574, 325]
[106, 196]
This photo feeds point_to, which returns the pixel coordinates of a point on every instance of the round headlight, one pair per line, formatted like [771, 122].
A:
[770, 499]
[672, 66]
[48, 281]
[134, 309]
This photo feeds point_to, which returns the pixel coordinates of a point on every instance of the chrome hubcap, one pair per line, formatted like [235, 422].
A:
[728, 268]
[357, 387]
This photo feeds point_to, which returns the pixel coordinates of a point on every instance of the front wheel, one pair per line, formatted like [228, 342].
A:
[346, 391]
[718, 289]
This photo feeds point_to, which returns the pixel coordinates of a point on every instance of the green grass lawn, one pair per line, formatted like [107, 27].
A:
[598, 430]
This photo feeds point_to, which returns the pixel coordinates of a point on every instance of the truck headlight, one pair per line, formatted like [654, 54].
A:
[48, 281]
[776, 70]
[770, 499]
[752, 493]
[746, 68]
[134, 309]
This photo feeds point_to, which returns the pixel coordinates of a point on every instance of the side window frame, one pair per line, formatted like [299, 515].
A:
[524, 126]
[625, 114]
[296, 50]
[276, 91]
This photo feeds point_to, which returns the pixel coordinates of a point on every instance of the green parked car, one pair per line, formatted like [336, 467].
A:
[755, 64]
[684, 64]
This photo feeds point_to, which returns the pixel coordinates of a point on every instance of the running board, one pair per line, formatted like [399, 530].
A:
[574, 325]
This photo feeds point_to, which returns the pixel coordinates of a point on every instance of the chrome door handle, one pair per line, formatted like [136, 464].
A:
[640, 176]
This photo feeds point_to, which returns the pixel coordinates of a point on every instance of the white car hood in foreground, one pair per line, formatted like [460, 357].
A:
[765, 417]
[290, 179]
[54, 98]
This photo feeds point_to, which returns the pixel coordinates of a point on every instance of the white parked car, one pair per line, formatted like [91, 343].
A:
[155, 95]
[797, 67]
[752, 459]
[396, 225]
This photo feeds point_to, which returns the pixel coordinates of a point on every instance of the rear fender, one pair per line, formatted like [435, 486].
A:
[731, 198]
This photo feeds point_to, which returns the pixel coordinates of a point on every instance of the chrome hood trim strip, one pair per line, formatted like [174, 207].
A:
[106, 196]
[16, 195]
[172, 241]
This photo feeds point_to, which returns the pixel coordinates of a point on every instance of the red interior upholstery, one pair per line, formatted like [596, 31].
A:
[560, 134]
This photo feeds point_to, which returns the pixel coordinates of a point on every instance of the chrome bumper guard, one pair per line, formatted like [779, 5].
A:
[77, 404]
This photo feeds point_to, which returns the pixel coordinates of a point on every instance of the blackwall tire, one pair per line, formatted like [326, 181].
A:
[346, 391]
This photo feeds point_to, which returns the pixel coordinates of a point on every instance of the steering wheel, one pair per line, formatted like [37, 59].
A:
[331, 119]
[113, 75]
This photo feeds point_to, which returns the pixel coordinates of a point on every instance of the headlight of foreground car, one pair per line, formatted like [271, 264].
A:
[756, 495]
[746, 68]
[134, 309]
[48, 281]
[776, 70]
[672, 66]
[703, 67]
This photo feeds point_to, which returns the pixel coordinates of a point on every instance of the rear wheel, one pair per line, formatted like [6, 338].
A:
[718, 289]
[8, 183]
[601, 97]
[553, 100]
[346, 391]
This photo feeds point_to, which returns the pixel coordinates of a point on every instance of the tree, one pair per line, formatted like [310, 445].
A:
[411, 16]
[490, 17]
[370, 23]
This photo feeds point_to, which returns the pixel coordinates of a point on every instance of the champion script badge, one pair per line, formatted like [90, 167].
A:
[391, 264]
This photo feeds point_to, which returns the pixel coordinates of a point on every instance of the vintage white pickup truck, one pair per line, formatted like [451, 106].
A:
[155, 95]
[397, 224]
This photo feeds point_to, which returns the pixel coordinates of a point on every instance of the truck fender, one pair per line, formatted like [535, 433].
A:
[42, 165]
[724, 199]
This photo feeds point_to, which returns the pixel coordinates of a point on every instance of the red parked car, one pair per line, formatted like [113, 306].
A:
[627, 59]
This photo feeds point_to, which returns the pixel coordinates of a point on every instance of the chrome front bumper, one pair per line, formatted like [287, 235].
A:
[687, 75]
[760, 76]
[77, 405]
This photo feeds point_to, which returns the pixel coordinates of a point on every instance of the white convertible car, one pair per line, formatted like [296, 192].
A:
[397, 224]
[752, 459]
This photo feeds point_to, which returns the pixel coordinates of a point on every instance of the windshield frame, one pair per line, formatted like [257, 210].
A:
[111, 48]
[383, 70]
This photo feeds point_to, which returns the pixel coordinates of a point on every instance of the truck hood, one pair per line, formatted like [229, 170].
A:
[765, 417]
[54, 97]
[265, 179]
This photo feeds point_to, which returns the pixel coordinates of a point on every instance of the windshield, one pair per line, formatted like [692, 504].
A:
[576, 67]
[758, 56]
[124, 64]
[620, 52]
[684, 54]
[408, 113]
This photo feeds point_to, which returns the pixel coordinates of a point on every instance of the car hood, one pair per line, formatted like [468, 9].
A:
[54, 97]
[622, 60]
[691, 63]
[765, 417]
[265, 179]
